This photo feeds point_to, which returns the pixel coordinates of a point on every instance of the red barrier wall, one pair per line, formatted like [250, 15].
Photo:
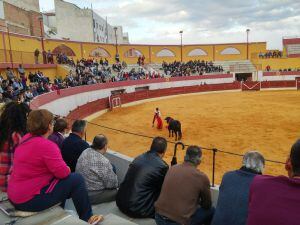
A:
[101, 104]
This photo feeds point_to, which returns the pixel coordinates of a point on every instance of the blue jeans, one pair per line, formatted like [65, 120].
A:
[200, 217]
[71, 187]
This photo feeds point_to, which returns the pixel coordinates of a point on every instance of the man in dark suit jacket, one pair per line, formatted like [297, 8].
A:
[74, 145]
[142, 184]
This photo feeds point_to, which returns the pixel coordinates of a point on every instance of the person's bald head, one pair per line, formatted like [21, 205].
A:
[100, 142]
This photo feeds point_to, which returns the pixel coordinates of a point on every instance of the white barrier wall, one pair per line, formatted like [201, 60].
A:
[63, 106]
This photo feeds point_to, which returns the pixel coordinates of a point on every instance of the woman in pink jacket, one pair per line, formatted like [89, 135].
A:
[40, 178]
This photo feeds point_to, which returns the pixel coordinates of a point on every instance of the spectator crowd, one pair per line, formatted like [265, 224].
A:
[38, 153]
[15, 87]
[270, 54]
[189, 68]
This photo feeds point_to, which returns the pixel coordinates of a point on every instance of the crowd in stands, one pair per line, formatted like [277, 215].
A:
[270, 54]
[15, 87]
[23, 88]
[52, 166]
[189, 68]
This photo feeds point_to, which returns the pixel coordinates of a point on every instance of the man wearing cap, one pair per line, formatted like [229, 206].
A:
[97, 171]
[185, 196]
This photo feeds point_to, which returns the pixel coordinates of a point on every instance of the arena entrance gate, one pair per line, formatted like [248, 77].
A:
[114, 101]
[251, 86]
[243, 77]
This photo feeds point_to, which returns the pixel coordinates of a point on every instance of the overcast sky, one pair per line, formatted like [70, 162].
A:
[202, 21]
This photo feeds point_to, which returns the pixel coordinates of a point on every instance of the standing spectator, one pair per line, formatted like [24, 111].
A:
[117, 58]
[276, 200]
[97, 171]
[73, 146]
[36, 56]
[23, 77]
[43, 176]
[12, 128]
[50, 57]
[59, 131]
[44, 53]
[142, 184]
[234, 191]
[185, 196]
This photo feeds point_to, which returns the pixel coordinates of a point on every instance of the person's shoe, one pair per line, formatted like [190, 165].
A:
[96, 219]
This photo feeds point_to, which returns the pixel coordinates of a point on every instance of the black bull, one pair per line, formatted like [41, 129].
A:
[174, 127]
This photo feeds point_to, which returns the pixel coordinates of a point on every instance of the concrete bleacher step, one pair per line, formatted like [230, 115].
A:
[111, 208]
[245, 66]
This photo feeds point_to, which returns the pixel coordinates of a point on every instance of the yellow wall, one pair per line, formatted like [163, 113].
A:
[24, 46]
[29, 44]
[278, 63]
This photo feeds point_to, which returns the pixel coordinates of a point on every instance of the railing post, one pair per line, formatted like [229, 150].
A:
[214, 166]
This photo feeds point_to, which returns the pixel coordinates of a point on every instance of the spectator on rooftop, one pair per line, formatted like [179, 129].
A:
[44, 53]
[74, 145]
[36, 56]
[97, 171]
[234, 191]
[185, 196]
[13, 118]
[60, 129]
[142, 184]
[276, 200]
[43, 176]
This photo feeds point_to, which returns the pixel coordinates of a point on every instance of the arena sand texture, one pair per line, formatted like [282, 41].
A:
[236, 122]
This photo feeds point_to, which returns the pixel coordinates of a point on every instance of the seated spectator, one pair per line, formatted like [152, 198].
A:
[12, 127]
[185, 196]
[9, 74]
[43, 175]
[73, 146]
[142, 184]
[101, 181]
[59, 131]
[275, 200]
[234, 191]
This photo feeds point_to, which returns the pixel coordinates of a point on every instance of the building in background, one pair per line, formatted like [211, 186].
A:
[71, 22]
[20, 16]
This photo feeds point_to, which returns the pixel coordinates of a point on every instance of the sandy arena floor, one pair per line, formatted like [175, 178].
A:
[234, 122]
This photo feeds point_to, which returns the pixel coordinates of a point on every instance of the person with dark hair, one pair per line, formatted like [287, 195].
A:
[59, 132]
[43, 176]
[74, 145]
[97, 171]
[12, 128]
[185, 195]
[142, 184]
[234, 191]
[275, 200]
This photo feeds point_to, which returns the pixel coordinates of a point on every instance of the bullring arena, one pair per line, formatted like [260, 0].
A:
[229, 97]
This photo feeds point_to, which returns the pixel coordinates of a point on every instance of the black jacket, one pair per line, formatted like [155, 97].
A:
[142, 185]
[71, 149]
